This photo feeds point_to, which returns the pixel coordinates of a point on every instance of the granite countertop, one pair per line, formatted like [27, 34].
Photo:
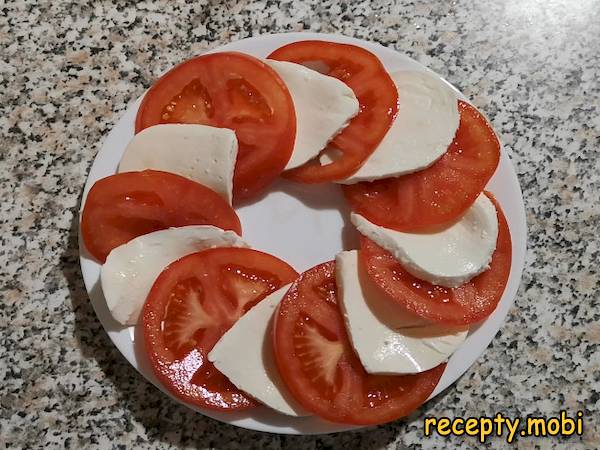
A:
[69, 69]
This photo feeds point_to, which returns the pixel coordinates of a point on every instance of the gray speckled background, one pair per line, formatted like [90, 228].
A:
[67, 72]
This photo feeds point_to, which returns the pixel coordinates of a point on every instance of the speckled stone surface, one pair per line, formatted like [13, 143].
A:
[67, 72]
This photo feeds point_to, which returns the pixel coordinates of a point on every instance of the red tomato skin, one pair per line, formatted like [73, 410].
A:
[265, 143]
[369, 399]
[362, 71]
[149, 200]
[438, 195]
[467, 304]
[174, 371]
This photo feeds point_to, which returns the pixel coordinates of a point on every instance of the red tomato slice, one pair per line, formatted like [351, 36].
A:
[469, 303]
[440, 193]
[319, 366]
[121, 207]
[230, 90]
[362, 71]
[193, 302]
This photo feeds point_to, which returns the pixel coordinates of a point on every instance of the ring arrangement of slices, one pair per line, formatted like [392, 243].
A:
[362, 339]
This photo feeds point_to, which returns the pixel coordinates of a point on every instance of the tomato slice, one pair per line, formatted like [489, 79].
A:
[230, 90]
[192, 303]
[466, 304]
[362, 71]
[121, 207]
[440, 193]
[319, 367]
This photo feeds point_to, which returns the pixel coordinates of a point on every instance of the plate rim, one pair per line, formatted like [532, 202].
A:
[517, 219]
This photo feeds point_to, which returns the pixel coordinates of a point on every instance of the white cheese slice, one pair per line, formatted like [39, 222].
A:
[324, 106]
[386, 337]
[448, 257]
[201, 153]
[423, 129]
[244, 354]
[131, 269]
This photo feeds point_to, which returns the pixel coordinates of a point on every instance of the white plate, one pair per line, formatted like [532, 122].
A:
[305, 225]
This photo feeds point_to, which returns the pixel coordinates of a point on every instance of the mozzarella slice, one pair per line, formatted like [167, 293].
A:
[131, 269]
[386, 337]
[201, 153]
[244, 354]
[324, 106]
[449, 257]
[423, 129]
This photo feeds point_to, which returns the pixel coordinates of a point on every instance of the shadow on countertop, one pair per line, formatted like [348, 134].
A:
[169, 422]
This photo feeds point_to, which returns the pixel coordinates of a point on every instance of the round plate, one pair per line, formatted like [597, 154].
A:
[304, 225]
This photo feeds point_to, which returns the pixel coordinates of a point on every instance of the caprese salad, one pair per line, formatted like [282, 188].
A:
[361, 339]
